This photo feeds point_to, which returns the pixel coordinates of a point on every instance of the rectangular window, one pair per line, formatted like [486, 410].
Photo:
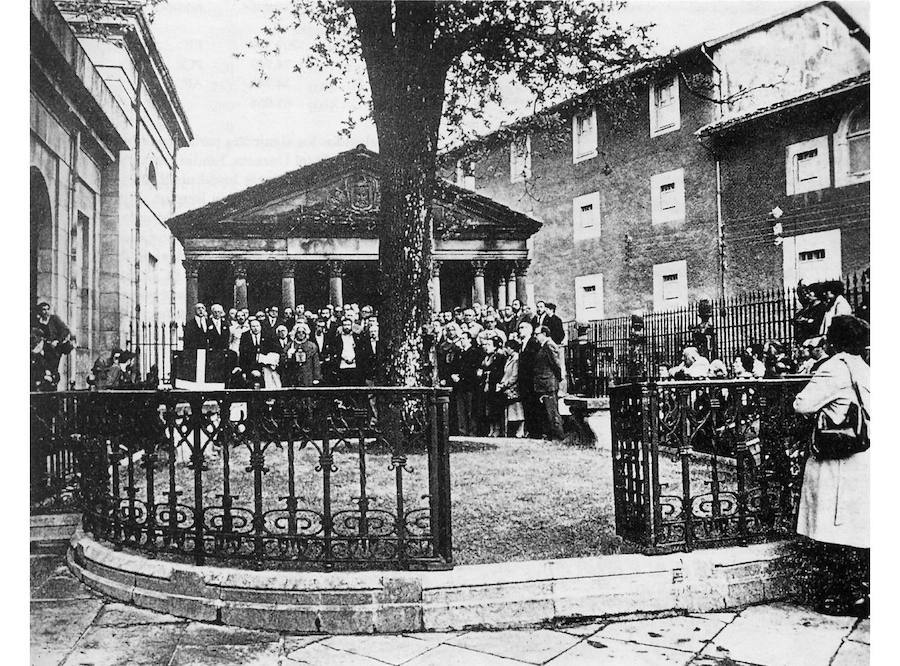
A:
[584, 135]
[807, 166]
[520, 159]
[665, 108]
[589, 297]
[586, 216]
[670, 285]
[812, 257]
[465, 174]
[667, 197]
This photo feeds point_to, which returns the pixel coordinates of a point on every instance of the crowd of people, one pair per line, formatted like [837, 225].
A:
[820, 304]
[504, 365]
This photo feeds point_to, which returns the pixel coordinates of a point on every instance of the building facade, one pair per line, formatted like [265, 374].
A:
[309, 236]
[640, 204]
[105, 129]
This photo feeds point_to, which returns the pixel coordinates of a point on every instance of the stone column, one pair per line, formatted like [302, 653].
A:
[479, 266]
[511, 286]
[436, 284]
[521, 279]
[191, 271]
[239, 270]
[287, 284]
[501, 288]
[336, 282]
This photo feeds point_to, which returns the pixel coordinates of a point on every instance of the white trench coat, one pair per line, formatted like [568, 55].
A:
[834, 501]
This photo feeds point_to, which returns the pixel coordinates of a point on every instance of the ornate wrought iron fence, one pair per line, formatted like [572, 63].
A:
[292, 478]
[54, 482]
[605, 355]
[706, 464]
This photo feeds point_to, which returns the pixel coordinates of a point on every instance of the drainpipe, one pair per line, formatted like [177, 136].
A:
[75, 149]
[137, 219]
[172, 241]
[720, 224]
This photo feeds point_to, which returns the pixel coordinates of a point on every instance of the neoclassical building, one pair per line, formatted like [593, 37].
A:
[309, 236]
[105, 126]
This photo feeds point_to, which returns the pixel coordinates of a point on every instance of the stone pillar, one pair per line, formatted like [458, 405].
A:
[436, 285]
[479, 266]
[336, 282]
[191, 271]
[239, 270]
[287, 284]
[511, 286]
[521, 279]
[501, 288]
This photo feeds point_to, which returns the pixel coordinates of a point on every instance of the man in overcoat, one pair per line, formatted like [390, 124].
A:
[547, 375]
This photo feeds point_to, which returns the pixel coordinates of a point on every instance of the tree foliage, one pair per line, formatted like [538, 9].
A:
[549, 49]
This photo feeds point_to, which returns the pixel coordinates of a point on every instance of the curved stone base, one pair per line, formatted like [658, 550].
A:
[485, 595]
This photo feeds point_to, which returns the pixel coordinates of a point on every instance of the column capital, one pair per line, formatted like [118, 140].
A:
[191, 267]
[436, 267]
[287, 268]
[239, 268]
[521, 267]
[335, 268]
[479, 265]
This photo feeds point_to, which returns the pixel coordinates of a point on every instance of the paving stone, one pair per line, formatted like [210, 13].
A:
[258, 654]
[851, 653]
[721, 617]
[434, 636]
[62, 587]
[620, 653]
[534, 646]
[690, 634]
[120, 615]
[704, 660]
[43, 567]
[200, 633]
[582, 629]
[292, 643]
[389, 649]
[449, 655]
[321, 655]
[780, 635]
[138, 645]
[860, 632]
[57, 626]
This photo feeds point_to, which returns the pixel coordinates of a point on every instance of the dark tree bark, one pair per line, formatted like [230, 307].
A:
[407, 83]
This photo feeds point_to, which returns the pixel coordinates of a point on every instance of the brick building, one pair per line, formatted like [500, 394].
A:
[105, 129]
[640, 189]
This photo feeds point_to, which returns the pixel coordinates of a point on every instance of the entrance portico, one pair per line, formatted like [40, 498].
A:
[309, 237]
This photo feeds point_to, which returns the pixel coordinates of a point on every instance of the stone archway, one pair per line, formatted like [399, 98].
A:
[41, 246]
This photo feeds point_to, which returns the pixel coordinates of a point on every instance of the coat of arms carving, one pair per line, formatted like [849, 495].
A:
[357, 193]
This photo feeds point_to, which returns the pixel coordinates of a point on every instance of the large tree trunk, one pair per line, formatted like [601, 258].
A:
[405, 258]
[407, 81]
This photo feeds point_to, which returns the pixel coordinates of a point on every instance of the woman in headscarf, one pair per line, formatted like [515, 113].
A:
[834, 501]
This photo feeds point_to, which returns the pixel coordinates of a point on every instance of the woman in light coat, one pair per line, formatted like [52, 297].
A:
[834, 500]
[514, 417]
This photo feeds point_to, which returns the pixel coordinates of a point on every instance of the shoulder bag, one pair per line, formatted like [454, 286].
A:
[836, 441]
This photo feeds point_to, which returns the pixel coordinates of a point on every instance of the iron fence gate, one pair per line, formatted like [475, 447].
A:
[706, 464]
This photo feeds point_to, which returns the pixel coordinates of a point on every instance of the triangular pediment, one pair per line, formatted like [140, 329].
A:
[340, 196]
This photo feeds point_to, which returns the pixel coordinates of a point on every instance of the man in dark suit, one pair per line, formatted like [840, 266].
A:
[553, 322]
[322, 338]
[534, 415]
[195, 329]
[217, 333]
[345, 352]
[254, 343]
[547, 375]
[270, 322]
[464, 376]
